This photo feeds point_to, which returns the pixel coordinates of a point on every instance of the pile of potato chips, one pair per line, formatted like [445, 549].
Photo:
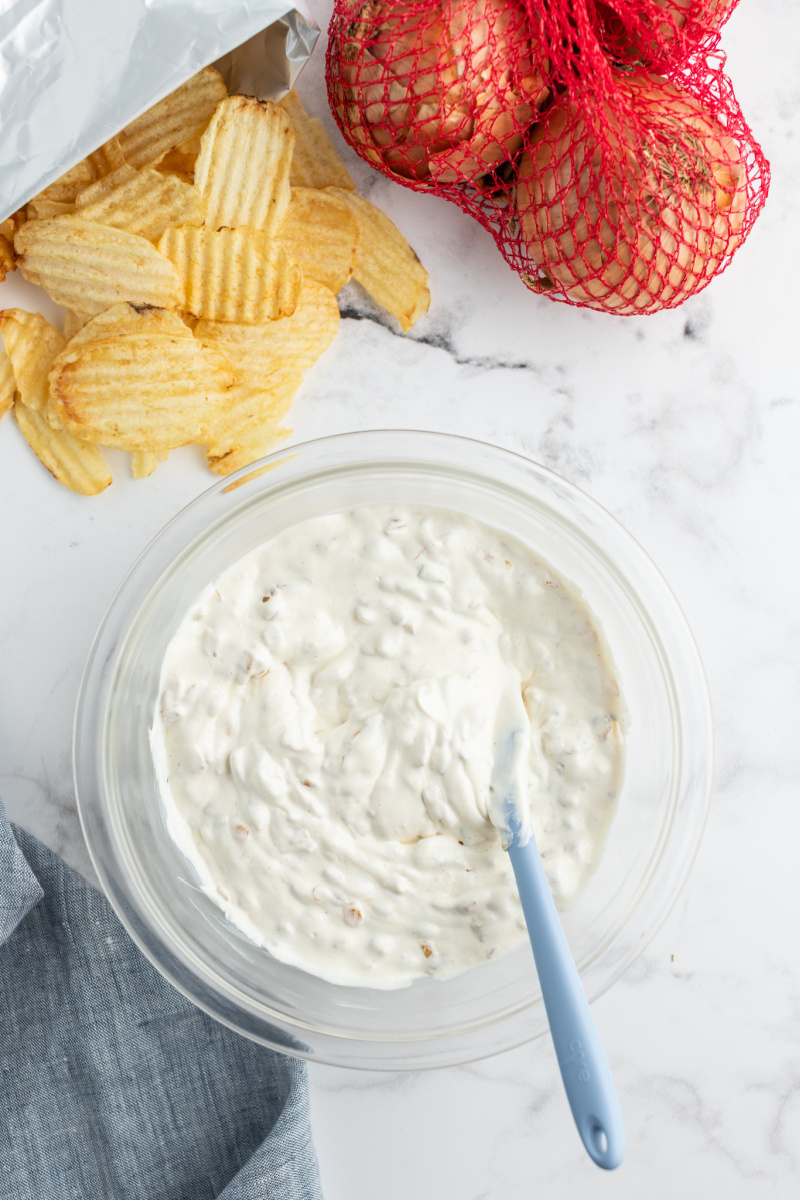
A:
[198, 255]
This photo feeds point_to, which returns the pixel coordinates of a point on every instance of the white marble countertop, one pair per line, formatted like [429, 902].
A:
[686, 426]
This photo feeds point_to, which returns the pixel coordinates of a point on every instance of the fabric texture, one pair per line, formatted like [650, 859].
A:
[112, 1085]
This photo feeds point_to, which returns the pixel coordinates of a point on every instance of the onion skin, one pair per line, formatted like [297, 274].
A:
[657, 31]
[437, 92]
[640, 221]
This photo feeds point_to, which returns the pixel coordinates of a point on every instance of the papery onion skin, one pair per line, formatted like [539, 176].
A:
[657, 31]
[640, 217]
[440, 91]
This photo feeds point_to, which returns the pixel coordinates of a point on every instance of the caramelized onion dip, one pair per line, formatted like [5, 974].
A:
[330, 714]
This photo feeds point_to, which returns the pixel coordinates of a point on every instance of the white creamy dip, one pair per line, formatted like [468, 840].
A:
[331, 710]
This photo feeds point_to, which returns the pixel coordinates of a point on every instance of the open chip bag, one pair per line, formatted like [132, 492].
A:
[75, 74]
[191, 220]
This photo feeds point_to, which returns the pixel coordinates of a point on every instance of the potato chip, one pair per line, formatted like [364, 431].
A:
[42, 210]
[320, 233]
[182, 160]
[197, 254]
[385, 263]
[102, 188]
[73, 462]
[232, 274]
[255, 351]
[144, 462]
[315, 162]
[145, 202]
[32, 345]
[73, 322]
[172, 172]
[88, 267]
[249, 427]
[8, 384]
[107, 158]
[243, 165]
[241, 456]
[120, 320]
[140, 391]
[190, 149]
[176, 119]
[68, 186]
[7, 259]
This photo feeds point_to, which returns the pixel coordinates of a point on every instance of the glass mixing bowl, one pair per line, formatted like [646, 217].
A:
[652, 840]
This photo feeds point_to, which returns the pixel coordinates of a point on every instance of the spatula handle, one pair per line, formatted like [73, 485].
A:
[581, 1058]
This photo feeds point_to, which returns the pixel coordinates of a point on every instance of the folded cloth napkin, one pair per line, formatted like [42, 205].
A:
[112, 1085]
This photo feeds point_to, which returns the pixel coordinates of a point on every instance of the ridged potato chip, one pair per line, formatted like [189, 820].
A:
[73, 322]
[8, 384]
[385, 263]
[144, 462]
[140, 391]
[198, 254]
[32, 345]
[145, 202]
[120, 320]
[241, 456]
[107, 158]
[7, 259]
[320, 232]
[182, 160]
[75, 463]
[249, 427]
[315, 162]
[88, 267]
[43, 210]
[232, 274]
[176, 119]
[243, 166]
[101, 188]
[255, 351]
[68, 186]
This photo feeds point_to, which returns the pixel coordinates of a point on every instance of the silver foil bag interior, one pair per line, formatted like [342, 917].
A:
[75, 72]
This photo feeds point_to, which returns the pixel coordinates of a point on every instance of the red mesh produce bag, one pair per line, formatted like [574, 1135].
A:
[599, 141]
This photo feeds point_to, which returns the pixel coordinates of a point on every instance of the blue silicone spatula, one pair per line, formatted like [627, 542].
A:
[584, 1067]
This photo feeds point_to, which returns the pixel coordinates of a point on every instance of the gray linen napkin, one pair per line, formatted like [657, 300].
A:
[112, 1085]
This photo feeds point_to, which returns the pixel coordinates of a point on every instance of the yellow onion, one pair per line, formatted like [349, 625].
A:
[639, 215]
[438, 91]
[650, 32]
